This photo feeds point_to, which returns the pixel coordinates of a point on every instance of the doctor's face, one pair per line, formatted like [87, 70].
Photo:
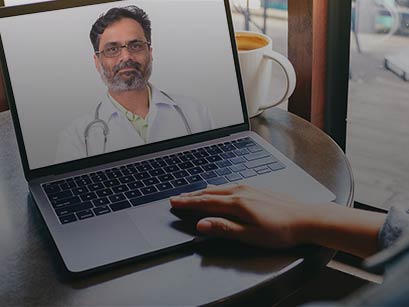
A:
[132, 67]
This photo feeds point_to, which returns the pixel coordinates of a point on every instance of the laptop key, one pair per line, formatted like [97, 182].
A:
[171, 168]
[88, 196]
[141, 176]
[214, 158]
[255, 148]
[164, 186]
[180, 174]
[135, 185]
[257, 155]
[150, 181]
[133, 194]
[210, 167]
[156, 172]
[248, 173]
[234, 177]
[195, 170]
[194, 178]
[172, 161]
[209, 175]
[99, 178]
[241, 152]
[227, 155]
[101, 201]
[223, 171]
[185, 165]
[260, 162]
[144, 167]
[262, 170]
[74, 208]
[187, 157]
[149, 190]
[179, 182]
[60, 195]
[238, 160]
[238, 168]
[200, 161]
[168, 193]
[81, 190]
[69, 218]
[101, 210]
[214, 151]
[129, 171]
[104, 192]
[68, 185]
[111, 183]
[223, 163]
[116, 197]
[158, 164]
[86, 214]
[65, 202]
[51, 189]
[217, 181]
[276, 166]
[120, 189]
[120, 205]
[115, 174]
[96, 186]
[166, 177]
[126, 179]
[82, 182]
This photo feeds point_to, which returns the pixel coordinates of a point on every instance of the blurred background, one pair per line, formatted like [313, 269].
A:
[377, 143]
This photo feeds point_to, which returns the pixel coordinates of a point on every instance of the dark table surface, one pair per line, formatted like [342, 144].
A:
[219, 272]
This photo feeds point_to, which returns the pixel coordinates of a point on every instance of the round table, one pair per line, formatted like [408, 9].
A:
[214, 272]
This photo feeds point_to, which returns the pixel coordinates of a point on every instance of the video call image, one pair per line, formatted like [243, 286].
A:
[97, 79]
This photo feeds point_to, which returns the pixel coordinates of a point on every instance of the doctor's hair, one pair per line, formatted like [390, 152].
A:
[116, 14]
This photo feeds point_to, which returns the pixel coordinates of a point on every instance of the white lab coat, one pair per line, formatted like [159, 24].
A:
[164, 122]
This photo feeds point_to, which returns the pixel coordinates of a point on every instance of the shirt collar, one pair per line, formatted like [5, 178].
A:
[108, 110]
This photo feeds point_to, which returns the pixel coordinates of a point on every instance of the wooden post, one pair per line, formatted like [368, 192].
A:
[307, 46]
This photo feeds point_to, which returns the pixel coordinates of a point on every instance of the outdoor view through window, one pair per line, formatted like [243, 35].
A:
[378, 104]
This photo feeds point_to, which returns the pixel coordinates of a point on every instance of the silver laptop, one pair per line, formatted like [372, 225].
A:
[118, 105]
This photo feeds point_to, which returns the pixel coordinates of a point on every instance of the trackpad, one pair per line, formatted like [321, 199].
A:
[159, 226]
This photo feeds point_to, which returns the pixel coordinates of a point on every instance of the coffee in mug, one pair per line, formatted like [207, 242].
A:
[263, 72]
[247, 42]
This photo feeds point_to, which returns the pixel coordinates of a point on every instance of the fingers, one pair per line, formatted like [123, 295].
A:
[223, 228]
[209, 204]
[216, 190]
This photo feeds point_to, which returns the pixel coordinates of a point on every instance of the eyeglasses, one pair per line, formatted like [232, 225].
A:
[114, 50]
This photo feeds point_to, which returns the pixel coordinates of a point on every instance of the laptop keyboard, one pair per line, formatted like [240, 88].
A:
[118, 188]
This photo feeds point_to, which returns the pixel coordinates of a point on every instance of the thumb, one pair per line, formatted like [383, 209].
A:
[220, 227]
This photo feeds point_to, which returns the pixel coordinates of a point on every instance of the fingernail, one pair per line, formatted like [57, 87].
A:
[204, 226]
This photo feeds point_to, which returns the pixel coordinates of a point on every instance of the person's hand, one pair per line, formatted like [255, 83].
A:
[248, 214]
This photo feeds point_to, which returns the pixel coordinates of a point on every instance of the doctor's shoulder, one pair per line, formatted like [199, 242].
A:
[71, 140]
[196, 111]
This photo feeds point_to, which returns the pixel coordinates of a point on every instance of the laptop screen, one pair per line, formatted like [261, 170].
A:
[107, 77]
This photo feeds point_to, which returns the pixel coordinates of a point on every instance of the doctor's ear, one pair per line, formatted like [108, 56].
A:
[96, 61]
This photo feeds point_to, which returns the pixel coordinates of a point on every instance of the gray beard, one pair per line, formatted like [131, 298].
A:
[137, 82]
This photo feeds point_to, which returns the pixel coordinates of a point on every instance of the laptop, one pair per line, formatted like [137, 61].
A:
[101, 175]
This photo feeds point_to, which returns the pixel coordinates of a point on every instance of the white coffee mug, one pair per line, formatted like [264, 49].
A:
[262, 79]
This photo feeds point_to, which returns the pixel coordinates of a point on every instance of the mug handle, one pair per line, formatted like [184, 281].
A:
[289, 73]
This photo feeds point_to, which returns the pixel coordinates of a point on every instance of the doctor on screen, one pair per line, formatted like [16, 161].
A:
[133, 112]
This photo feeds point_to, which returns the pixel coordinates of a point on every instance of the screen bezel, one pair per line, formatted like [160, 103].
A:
[125, 153]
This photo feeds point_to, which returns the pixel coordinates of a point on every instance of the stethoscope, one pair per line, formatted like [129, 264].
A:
[105, 128]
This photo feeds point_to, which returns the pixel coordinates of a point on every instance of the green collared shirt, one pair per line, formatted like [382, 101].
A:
[139, 123]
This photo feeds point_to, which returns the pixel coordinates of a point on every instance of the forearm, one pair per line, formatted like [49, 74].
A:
[350, 230]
